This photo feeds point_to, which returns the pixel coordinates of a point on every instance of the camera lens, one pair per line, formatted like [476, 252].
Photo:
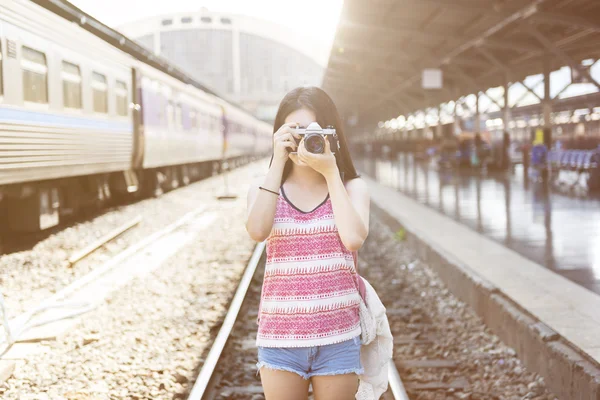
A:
[314, 143]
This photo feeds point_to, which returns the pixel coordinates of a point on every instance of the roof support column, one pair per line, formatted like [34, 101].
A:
[507, 109]
[547, 104]
[237, 74]
[477, 114]
[507, 118]
[455, 117]
[438, 130]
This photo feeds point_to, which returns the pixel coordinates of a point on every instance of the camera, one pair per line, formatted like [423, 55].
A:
[315, 136]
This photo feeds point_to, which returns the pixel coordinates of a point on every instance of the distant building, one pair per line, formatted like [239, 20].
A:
[248, 60]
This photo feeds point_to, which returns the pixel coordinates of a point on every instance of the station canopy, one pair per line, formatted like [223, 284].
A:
[382, 47]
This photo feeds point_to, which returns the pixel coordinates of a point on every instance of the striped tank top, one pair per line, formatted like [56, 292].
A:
[309, 295]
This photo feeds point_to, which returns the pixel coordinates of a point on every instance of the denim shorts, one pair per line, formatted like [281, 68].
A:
[332, 359]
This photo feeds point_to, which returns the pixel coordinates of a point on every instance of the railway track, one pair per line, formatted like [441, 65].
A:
[88, 292]
[229, 370]
[164, 282]
[442, 351]
[441, 347]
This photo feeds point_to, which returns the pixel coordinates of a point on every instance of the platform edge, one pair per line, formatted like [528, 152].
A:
[568, 372]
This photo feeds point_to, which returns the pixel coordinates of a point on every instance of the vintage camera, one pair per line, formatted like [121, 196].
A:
[315, 136]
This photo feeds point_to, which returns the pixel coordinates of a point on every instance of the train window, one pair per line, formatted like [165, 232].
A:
[206, 20]
[170, 116]
[226, 21]
[178, 116]
[1, 76]
[159, 104]
[71, 78]
[121, 95]
[202, 121]
[35, 76]
[193, 120]
[166, 22]
[186, 20]
[100, 93]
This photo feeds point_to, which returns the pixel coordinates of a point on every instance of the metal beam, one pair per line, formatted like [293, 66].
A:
[465, 5]
[567, 20]
[362, 67]
[510, 45]
[493, 59]
[471, 62]
[341, 49]
[398, 30]
[559, 52]
[342, 83]
[512, 18]
[474, 6]
[531, 89]
[563, 42]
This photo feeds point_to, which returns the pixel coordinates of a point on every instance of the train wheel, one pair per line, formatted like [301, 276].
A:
[151, 185]
[172, 178]
[34, 209]
[184, 175]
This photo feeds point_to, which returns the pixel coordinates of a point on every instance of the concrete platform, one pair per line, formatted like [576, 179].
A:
[546, 224]
[553, 323]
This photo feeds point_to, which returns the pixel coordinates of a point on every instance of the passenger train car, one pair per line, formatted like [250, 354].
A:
[82, 119]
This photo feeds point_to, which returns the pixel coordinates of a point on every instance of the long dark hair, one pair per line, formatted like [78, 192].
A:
[319, 102]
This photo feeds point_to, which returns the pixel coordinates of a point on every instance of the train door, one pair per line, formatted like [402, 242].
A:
[138, 120]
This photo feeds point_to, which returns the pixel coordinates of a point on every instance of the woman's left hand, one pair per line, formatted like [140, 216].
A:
[324, 163]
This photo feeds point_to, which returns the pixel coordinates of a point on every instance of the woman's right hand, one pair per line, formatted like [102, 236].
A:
[283, 141]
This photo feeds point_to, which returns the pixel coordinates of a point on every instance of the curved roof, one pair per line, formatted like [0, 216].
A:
[382, 46]
[206, 19]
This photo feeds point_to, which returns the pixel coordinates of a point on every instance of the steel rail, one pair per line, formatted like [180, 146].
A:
[89, 249]
[199, 390]
[395, 383]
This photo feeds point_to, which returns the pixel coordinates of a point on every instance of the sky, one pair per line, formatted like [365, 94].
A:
[317, 19]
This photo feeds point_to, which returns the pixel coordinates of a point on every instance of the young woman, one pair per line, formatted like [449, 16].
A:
[313, 211]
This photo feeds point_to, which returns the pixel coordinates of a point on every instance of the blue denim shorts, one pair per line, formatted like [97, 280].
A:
[332, 359]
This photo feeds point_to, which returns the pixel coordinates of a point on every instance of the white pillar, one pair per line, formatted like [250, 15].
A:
[237, 73]
[477, 115]
[438, 132]
[547, 103]
[507, 109]
[156, 43]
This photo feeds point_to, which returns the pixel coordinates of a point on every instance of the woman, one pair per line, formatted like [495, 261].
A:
[313, 210]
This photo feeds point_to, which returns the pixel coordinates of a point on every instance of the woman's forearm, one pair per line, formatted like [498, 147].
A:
[351, 227]
[262, 211]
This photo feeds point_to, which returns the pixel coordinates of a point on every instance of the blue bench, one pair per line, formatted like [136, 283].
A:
[573, 160]
[580, 162]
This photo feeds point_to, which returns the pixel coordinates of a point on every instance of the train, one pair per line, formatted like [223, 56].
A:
[87, 116]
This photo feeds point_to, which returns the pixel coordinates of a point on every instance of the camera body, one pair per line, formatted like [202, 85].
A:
[315, 137]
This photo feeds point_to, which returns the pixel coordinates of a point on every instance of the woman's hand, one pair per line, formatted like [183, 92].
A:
[283, 141]
[323, 163]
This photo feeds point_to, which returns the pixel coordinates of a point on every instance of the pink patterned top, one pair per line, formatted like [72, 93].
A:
[309, 294]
